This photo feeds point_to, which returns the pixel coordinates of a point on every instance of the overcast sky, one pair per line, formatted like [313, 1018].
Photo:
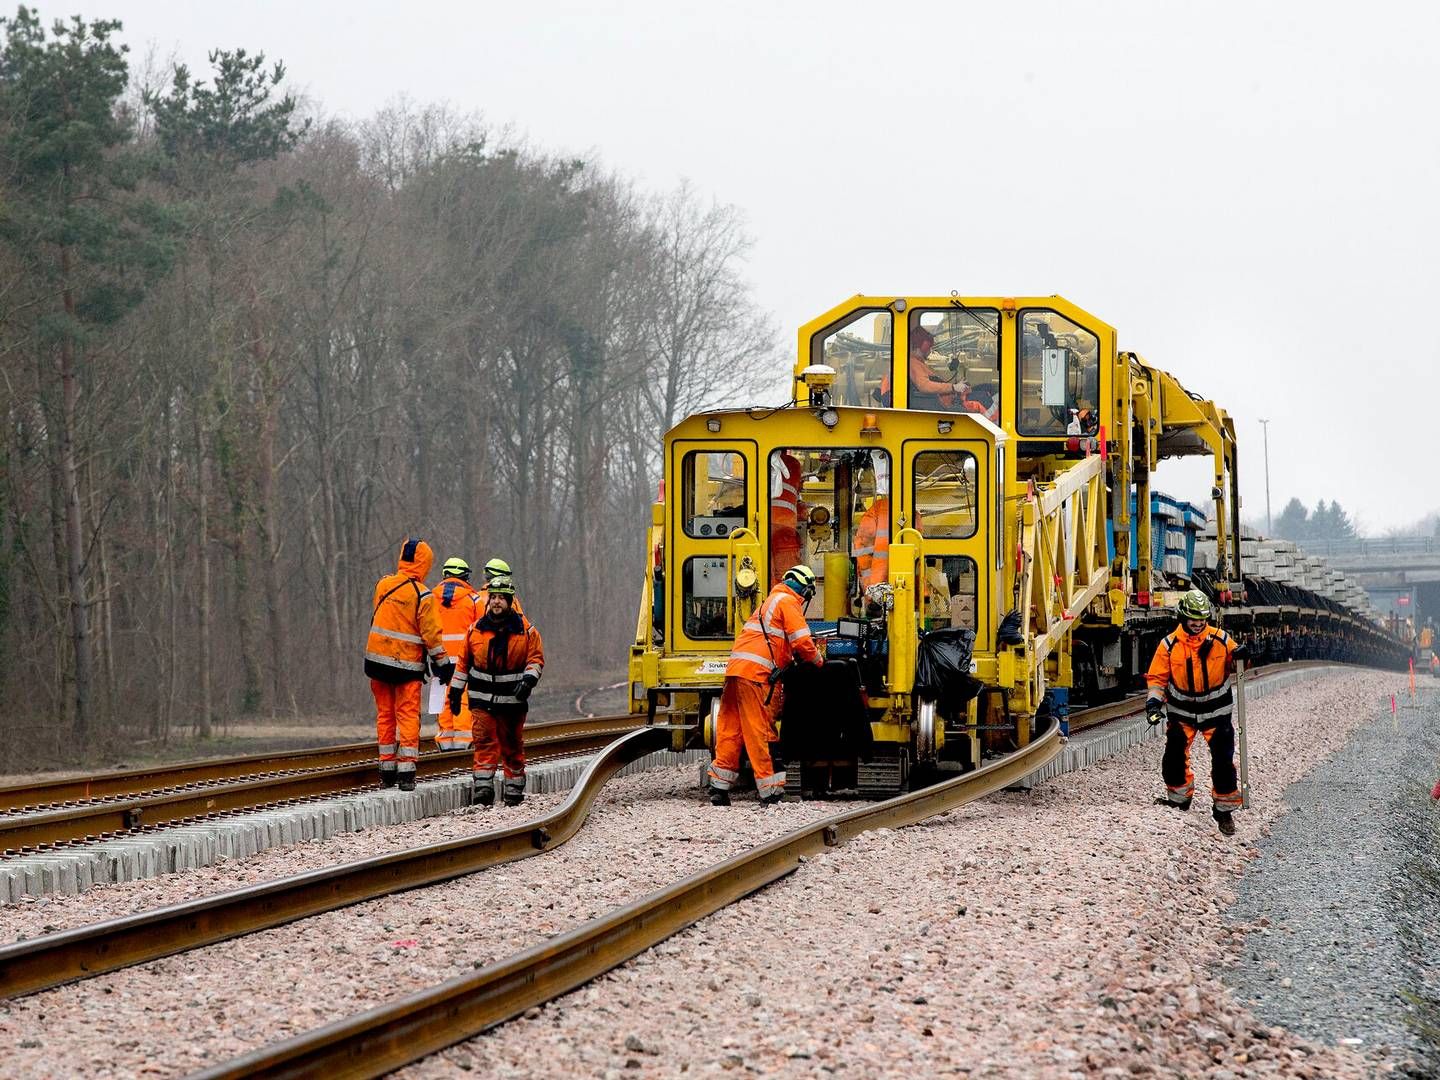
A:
[1248, 192]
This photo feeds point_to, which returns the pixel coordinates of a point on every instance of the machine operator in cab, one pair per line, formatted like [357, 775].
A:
[774, 636]
[927, 391]
[1192, 670]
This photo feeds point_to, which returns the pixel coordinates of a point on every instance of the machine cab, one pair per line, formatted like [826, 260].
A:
[1039, 368]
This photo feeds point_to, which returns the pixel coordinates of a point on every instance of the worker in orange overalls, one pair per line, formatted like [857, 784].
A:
[1192, 669]
[405, 635]
[774, 635]
[871, 545]
[458, 606]
[501, 664]
[786, 477]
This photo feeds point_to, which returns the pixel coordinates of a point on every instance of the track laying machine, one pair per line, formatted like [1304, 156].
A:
[963, 475]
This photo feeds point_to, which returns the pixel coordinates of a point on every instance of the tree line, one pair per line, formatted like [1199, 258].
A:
[1328, 521]
[245, 350]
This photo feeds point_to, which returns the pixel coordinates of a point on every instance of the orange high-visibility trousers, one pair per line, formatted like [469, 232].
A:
[455, 731]
[744, 719]
[1180, 778]
[499, 740]
[397, 724]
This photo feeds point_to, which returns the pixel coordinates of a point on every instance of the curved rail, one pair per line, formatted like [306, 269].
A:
[389, 1036]
[55, 959]
[120, 814]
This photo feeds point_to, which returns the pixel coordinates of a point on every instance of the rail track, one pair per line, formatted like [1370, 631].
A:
[66, 812]
[391, 1035]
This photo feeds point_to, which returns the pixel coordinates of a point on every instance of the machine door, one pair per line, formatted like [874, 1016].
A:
[945, 493]
[714, 494]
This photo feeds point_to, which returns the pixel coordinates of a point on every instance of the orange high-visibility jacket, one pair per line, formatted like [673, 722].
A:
[776, 631]
[404, 627]
[458, 606]
[785, 495]
[871, 547]
[1192, 671]
[499, 654]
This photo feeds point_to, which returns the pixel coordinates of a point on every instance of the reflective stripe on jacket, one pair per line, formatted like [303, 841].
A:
[404, 628]
[1192, 672]
[871, 547]
[493, 674]
[458, 607]
[776, 631]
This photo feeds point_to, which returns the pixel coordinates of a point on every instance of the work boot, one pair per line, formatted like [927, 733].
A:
[483, 793]
[513, 794]
[387, 777]
[772, 799]
[1226, 820]
[407, 781]
[1183, 804]
[719, 798]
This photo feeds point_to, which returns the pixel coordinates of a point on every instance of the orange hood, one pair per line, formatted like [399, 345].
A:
[416, 558]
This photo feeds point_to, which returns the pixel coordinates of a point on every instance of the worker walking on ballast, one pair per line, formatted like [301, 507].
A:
[501, 664]
[774, 635]
[1193, 669]
[405, 636]
[458, 607]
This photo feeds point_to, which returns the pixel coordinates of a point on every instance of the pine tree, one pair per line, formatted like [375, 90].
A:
[1293, 523]
[89, 246]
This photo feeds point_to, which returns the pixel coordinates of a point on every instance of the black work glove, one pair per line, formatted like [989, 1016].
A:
[1242, 652]
[522, 692]
[1154, 711]
[443, 672]
[455, 695]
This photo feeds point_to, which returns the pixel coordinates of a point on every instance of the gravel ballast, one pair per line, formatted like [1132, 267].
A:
[1343, 903]
[1072, 930]
[181, 1013]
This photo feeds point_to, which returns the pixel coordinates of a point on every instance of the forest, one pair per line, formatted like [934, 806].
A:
[247, 349]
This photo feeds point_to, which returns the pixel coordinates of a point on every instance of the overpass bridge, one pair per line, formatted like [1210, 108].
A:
[1401, 573]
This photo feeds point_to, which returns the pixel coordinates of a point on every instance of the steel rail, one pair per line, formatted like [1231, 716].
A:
[122, 814]
[396, 1033]
[55, 959]
[105, 785]
[14, 797]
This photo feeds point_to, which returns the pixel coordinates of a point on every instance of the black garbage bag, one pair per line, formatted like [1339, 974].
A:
[1009, 631]
[942, 669]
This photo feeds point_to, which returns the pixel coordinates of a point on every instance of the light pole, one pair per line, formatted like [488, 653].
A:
[1265, 427]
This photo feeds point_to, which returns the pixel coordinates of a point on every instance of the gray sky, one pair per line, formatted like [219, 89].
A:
[1248, 192]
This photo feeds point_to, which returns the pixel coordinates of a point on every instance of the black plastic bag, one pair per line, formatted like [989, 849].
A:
[942, 668]
[1009, 632]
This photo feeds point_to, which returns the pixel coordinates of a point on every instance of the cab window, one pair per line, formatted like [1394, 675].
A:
[858, 348]
[944, 495]
[830, 509]
[954, 360]
[948, 593]
[1059, 376]
[713, 485]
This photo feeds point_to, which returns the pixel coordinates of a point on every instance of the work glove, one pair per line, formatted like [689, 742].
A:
[443, 672]
[522, 692]
[1242, 652]
[455, 694]
[1154, 711]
